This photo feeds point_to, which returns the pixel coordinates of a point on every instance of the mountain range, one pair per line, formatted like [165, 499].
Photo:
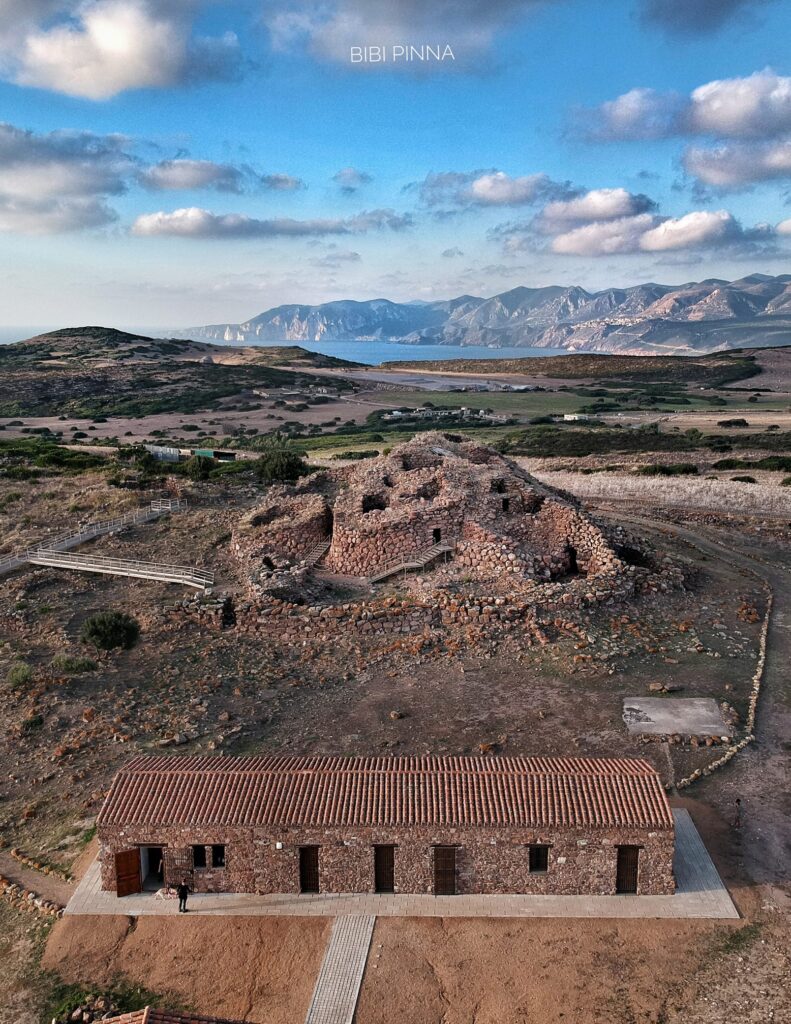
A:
[705, 316]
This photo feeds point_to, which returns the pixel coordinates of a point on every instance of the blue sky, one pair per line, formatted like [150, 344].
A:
[183, 163]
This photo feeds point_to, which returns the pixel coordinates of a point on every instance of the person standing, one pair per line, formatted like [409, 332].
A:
[737, 818]
[182, 891]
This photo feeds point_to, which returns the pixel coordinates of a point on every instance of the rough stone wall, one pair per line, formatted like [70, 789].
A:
[286, 526]
[488, 860]
[237, 876]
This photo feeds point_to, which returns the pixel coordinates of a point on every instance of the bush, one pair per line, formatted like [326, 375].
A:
[280, 461]
[20, 674]
[108, 630]
[744, 479]
[739, 422]
[786, 482]
[198, 467]
[71, 664]
[674, 469]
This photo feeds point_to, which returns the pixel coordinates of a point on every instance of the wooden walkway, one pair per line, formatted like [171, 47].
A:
[338, 984]
[417, 560]
[54, 552]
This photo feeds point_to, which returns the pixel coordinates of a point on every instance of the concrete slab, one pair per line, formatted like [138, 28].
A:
[700, 893]
[663, 716]
[340, 976]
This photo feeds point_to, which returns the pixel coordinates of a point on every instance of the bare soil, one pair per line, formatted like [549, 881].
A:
[260, 969]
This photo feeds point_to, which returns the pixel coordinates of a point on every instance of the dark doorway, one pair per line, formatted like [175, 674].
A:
[384, 868]
[437, 535]
[626, 874]
[128, 878]
[506, 504]
[153, 867]
[572, 557]
[444, 870]
[308, 869]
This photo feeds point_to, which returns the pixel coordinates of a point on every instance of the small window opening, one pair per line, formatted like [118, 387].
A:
[538, 855]
[506, 504]
[199, 856]
[218, 856]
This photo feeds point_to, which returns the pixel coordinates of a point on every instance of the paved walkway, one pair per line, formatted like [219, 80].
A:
[338, 984]
[699, 893]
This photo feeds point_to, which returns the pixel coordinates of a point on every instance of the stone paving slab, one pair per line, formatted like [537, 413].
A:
[664, 716]
[340, 976]
[700, 893]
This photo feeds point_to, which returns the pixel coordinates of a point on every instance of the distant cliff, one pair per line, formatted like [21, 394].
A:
[705, 316]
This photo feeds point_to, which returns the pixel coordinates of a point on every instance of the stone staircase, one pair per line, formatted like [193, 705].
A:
[417, 560]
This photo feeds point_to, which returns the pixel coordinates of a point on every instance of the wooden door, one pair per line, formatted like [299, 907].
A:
[177, 864]
[127, 872]
[626, 874]
[308, 869]
[384, 868]
[444, 870]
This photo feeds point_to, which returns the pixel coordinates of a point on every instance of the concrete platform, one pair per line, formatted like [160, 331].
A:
[700, 893]
[664, 716]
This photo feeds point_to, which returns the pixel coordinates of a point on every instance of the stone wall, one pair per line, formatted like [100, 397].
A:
[488, 860]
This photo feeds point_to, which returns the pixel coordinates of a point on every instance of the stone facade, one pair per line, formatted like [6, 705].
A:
[488, 860]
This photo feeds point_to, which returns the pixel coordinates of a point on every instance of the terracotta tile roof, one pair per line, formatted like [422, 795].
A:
[151, 1015]
[389, 792]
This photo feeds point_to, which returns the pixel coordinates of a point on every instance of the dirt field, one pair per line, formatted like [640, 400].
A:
[258, 969]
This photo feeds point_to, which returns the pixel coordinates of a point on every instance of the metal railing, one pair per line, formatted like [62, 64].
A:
[417, 560]
[187, 574]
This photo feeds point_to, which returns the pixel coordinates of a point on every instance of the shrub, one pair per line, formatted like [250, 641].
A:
[738, 422]
[786, 482]
[72, 664]
[20, 674]
[744, 479]
[108, 630]
[674, 469]
[280, 461]
[198, 467]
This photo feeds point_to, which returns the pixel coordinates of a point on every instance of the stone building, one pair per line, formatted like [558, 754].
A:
[456, 497]
[435, 825]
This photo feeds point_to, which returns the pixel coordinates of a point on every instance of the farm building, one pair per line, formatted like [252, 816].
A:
[435, 825]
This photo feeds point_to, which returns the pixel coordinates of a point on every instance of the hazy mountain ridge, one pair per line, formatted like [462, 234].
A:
[703, 316]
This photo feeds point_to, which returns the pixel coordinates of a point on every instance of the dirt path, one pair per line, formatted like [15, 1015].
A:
[49, 886]
[759, 774]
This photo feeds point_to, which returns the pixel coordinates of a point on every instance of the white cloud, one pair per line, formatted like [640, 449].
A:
[498, 189]
[99, 48]
[739, 165]
[59, 181]
[757, 106]
[331, 27]
[194, 222]
[601, 204]
[695, 230]
[192, 174]
[604, 238]
[784, 227]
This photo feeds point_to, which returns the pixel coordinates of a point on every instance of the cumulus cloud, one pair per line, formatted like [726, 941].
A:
[696, 17]
[604, 238]
[282, 182]
[757, 106]
[601, 204]
[59, 181]
[491, 187]
[739, 165]
[349, 180]
[331, 27]
[695, 230]
[99, 48]
[194, 222]
[452, 253]
[784, 227]
[192, 174]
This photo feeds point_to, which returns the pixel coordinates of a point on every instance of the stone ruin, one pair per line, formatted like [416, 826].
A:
[434, 496]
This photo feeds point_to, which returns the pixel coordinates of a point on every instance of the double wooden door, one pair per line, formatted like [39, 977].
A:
[384, 868]
[308, 869]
